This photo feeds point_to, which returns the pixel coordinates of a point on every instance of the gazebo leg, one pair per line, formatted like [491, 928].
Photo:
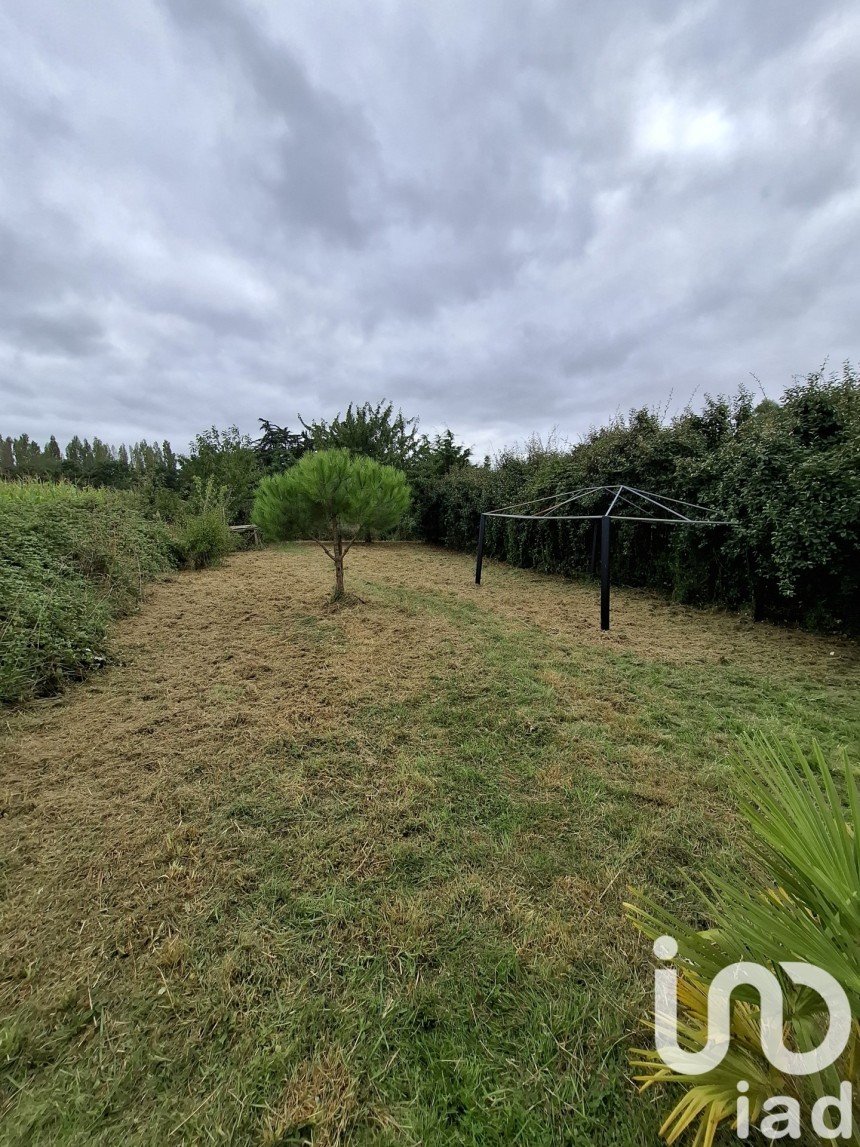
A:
[479, 563]
[605, 526]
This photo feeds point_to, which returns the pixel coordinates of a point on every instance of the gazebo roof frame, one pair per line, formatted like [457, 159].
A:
[619, 493]
[623, 498]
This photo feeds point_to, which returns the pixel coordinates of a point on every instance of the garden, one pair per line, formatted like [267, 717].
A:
[327, 844]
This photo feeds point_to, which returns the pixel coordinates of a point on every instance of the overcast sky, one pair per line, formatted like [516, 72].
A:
[504, 215]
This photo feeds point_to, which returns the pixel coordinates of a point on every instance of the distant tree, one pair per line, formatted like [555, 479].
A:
[28, 456]
[443, 455]
[375, 431]
[330, 496]
[230, 460]
[73, 461]
[278, 447]
[7, 458]
[102, 452]
[171, 465]
[52, 456]
[147, 459]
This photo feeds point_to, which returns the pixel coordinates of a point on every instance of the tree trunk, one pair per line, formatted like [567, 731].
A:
[338, 561]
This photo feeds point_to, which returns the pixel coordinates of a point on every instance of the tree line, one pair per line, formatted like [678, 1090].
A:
[784, 472]
[230, 460]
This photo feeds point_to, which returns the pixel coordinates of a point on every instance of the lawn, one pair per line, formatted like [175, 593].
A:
[291, 874]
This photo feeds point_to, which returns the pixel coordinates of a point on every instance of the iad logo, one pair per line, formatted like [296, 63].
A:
[771, 1031]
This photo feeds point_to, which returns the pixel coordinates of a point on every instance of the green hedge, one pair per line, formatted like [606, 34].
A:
[786, 472]
[70, 560]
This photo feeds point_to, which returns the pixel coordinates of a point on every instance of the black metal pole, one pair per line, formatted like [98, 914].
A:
[605, 526]
[480, 560]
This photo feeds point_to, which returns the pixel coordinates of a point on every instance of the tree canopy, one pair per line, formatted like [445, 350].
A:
[330, 496]
[375, 431]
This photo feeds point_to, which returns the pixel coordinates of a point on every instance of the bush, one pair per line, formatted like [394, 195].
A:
[201, 534]
[202, 540]
[70, 560]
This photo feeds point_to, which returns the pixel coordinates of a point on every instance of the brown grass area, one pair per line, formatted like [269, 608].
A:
[216, 667]
[224, 663]
[463, 761]
[643, 624]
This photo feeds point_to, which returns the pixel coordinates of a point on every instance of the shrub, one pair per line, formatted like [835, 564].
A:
[201, 534]
[202, 540]
[70, 560]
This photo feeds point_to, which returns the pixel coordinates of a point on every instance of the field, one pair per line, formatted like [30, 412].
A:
[286, 873]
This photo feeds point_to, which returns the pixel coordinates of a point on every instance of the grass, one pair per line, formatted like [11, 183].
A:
[289, 874]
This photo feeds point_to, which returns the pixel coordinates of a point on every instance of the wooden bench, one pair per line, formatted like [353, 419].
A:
[254, 531]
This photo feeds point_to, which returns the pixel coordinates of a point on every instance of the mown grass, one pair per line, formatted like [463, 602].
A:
[356, 876]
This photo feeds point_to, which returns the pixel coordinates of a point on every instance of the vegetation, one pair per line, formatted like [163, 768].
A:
[808, 847]
[290, 875]
[332, 495]
[357, 875]
[88, 463]
[70, 560]
[786, 473]
[201, 536]
[228, 460]
[373, 431]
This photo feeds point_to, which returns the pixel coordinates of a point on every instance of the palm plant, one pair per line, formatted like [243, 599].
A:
[804, 836]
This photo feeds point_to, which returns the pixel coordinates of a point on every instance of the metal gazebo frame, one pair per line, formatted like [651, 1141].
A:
[628, 494]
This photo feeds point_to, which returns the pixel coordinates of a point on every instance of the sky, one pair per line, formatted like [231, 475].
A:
[504, 215]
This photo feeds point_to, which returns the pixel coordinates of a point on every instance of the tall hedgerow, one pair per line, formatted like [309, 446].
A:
[786, 473]
[70, 560]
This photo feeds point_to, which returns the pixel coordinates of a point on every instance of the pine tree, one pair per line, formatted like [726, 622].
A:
[330, 496]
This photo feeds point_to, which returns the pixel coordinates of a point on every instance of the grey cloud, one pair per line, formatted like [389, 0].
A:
[317, 149]
[504, 216]
[74, 335]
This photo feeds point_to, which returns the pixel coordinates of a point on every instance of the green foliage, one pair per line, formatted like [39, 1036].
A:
[334, 495]
[202, 540]
[806, 839]
[441, 457]
[230, 460]
[70, 560]
[278, 447]
[785, 472]
[327, 488]
[89, 463]
[373, 431]
[201, 535]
